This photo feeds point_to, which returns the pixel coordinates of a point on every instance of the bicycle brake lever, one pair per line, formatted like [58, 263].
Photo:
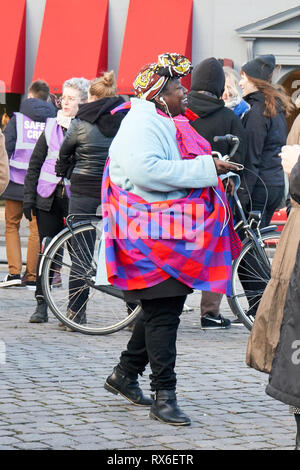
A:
[238, 166]
[226, 158]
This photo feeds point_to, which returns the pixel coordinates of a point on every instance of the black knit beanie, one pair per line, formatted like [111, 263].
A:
[209, 76]
[262, 67]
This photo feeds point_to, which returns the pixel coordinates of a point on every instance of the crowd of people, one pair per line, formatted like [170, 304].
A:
[91, 147]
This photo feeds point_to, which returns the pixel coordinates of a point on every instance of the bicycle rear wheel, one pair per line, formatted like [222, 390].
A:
[250, 276]
[78, 303]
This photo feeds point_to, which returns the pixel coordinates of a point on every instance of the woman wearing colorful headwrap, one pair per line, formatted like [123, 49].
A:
[155, 160]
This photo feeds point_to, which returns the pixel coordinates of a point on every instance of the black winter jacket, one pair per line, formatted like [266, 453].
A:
[84, 150]
[37, 110]
[31, 197]
[216, 119]
[265, 137]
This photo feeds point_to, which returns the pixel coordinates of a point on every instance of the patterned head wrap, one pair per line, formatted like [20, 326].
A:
[152, 78]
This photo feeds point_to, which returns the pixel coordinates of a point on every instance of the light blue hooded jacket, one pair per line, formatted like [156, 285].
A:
[145, 160]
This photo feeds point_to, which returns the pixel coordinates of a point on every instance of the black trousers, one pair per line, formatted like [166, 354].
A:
[50, 224]
[83, 250]
[153, 340]
[275, 195]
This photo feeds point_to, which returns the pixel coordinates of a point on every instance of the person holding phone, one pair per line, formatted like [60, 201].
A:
[157, 160]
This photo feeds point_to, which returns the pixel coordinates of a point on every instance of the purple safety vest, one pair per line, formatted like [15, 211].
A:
[28, 132]
[48, 180]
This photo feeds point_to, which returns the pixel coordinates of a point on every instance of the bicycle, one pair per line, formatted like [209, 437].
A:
[251, 271]
[74, 251]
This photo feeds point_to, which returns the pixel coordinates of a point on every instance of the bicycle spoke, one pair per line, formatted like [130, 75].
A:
[250, 271]
[74, 256]
[250, 276]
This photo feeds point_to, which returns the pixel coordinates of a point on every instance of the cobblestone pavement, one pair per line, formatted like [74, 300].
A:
[52, 395]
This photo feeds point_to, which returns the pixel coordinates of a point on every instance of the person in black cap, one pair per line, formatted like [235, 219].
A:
[204, 99]
[266, 129]
[262, 67]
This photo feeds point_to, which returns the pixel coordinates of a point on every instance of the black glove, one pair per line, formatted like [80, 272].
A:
[61, 168]
[28, 210]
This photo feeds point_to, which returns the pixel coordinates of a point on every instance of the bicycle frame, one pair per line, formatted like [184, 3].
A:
[253, 234]
[70, 225]
[90, 218]
[47, 246]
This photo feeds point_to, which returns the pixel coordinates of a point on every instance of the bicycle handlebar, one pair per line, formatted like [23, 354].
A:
[222, 137]
[228, 137]
[232, 140]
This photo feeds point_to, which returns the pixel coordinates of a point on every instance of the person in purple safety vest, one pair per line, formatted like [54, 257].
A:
[4, 168]
[45, 194]
[21, 135]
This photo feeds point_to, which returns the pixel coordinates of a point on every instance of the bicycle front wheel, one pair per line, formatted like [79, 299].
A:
[78, 303]
[250, 276]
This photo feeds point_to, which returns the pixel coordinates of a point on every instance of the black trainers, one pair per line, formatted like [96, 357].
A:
[209, 322]
[30, 285]
[11, 280]
[237, 322]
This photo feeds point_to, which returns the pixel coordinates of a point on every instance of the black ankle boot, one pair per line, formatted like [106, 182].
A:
[40, 315]
[297, 418]
[128, 387]
[165, 409]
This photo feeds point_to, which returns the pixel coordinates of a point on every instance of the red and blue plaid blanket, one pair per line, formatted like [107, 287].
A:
[188, 238]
